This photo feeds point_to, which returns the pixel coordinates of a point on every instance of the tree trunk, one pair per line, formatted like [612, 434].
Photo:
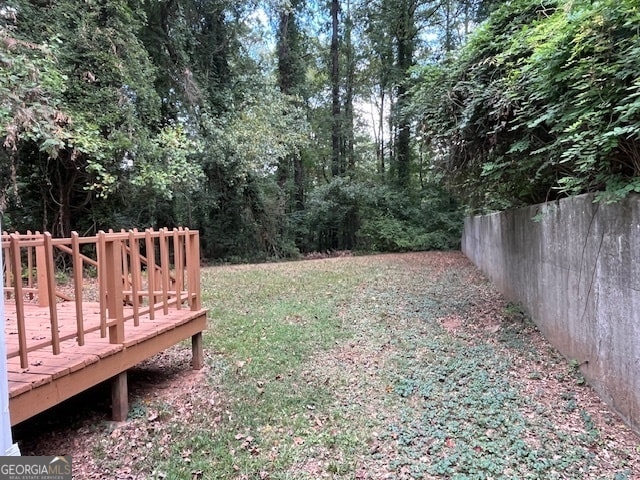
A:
[298, 180]
[405, 47]
[336, 127]
[403, 141]
[289, 76]
[285, 78]
[348, 102]
[381, 129]
[60, 201]
[449, 25]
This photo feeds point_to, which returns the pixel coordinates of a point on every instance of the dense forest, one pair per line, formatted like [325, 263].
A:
[287, 126]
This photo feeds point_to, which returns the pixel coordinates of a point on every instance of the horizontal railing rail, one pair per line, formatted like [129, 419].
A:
[128, 274]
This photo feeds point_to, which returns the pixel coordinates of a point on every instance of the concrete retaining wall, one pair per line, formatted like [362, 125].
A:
[576, 269]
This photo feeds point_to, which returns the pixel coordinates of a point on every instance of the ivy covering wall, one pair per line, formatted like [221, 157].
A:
[543, 101]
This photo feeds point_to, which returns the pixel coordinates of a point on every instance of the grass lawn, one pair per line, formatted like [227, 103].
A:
[384, 367]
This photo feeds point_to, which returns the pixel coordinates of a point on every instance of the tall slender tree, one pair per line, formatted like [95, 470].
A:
[350, 72]
[336, 115]
[291, 76]
[405, 33]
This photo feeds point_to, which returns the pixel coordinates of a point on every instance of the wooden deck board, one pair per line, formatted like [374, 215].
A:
[50, 379]
[18, 388]
[41, 361]
[34, 379]
[44, 324]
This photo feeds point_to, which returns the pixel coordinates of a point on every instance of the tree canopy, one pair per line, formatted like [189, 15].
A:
[281, 127]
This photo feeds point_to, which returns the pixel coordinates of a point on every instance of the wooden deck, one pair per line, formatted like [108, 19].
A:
[144, 297]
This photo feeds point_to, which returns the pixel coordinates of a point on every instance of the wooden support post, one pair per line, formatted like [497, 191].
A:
[197, 351]
[119, 397]
[193, 269]
[115, 311]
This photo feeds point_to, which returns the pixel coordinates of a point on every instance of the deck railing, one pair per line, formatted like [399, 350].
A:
[129, 274]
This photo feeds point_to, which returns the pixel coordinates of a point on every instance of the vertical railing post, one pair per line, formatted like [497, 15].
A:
[41, 271]
[8, 269]
[136, 280]
[102, 281]
[187, 260]
[126, 280]
[164, 266]
[151, 273]
[178, 262]
[77, 284]
[50, 270]
[16, 264]
[192, 248]
[119, 391]
[193, 268]
[115, 309]
[30, 266]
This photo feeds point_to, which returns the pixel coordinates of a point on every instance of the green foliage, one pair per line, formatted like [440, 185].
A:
[117, 114]
[330, 216]
[243, 211]
[541, 102]
[31, 86]
[394, 221]
[267, 126]
[92, 107]
[173, 170]
[383, 218]
[30, 89]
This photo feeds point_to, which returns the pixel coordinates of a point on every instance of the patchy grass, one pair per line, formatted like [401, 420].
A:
[386, 367]
[267, 323]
